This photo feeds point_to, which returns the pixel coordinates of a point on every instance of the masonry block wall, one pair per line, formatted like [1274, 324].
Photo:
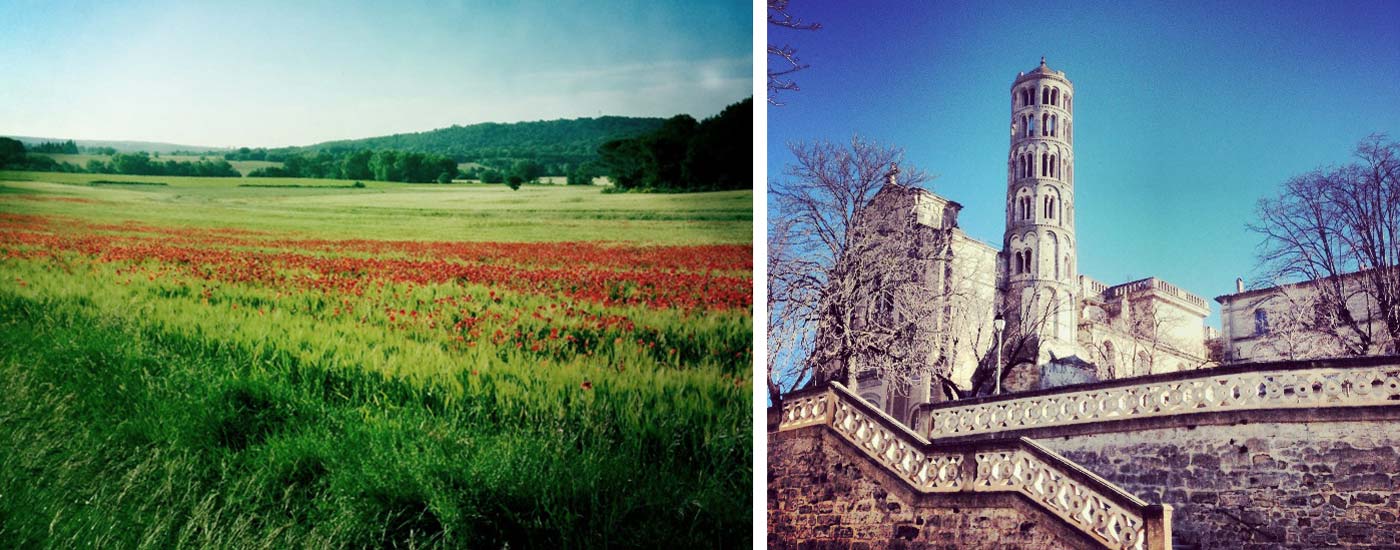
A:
[825, 493]
[1259, 485]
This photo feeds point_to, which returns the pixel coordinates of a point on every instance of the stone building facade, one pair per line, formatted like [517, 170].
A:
[1061, 326]
[1293, 322]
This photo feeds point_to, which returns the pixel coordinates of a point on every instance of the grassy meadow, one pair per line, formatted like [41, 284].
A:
[191, 362]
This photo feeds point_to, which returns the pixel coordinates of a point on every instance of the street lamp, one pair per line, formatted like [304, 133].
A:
[998, 325]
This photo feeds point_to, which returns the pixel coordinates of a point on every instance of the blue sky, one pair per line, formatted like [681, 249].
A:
[1185, 114]
[264, 73]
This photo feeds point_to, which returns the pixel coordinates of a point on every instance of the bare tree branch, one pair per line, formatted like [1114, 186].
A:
[824, 270]
[1338, 227]
[782, 60]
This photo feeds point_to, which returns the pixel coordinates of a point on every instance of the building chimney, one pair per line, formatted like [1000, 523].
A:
[1239, 285]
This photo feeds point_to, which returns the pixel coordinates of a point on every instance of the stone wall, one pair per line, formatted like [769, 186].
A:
[1259, 485]
[824, 493]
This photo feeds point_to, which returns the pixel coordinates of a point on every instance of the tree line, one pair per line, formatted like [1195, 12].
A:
[389, 165]
[14, 156]
[685, 155]
[555, 147]
[57, 147]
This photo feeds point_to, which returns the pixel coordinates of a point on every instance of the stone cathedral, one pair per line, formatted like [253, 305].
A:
[1060, 327]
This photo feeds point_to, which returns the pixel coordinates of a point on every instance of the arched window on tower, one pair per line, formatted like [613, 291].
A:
[1055, 244]
[1055, 96]
[1044, 125]
[1030, 254]
[1054, 126]
[1053, 165]
[1045, 96]
[1030, 126]
[1044, 164]
[1016, 265]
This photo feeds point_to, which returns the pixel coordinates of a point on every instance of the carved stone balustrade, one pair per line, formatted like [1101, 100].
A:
[1313, 385]
[1083, 500]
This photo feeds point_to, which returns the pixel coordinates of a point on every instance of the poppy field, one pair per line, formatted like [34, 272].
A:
[192, 365]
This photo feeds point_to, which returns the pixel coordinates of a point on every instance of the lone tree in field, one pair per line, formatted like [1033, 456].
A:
[782, 60]
[819, 270]
[1340, 228]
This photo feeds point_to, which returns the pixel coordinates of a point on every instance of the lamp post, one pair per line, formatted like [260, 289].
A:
[998, 325]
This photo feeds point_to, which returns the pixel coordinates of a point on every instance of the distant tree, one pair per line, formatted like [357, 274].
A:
[624, 161]
[514, 181]
[580, 175]
[527, 170]
[356, 165]
[57, 147]
[782, 60]
[1333, 222]
[492, 176]
[720, 154]
[11, 152]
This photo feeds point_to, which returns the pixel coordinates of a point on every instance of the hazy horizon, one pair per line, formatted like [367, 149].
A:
[265, 75]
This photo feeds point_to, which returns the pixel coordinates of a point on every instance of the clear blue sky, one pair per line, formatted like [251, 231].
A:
[1185, 115]
[268, 73]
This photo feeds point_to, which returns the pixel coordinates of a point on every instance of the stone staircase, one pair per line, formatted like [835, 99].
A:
[1082, 500]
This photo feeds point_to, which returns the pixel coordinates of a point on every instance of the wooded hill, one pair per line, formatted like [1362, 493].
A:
[558, 145]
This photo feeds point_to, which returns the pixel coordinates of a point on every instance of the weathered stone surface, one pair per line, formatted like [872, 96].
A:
[1264, 485]
[804, 466]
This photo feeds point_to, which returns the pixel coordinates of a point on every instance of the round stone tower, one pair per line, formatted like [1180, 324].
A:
[1039, 244]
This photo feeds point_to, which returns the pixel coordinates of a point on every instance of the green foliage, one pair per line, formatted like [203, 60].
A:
[527, 171]
[61, 147]
[11, 152]
[682, 155]
[492, 176]
[514, 181]
[379, 166]
[583, 174]
[554, 144]
[142, 164]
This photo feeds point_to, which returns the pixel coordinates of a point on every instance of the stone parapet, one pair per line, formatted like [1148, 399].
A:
[1098, 509]
[1256, 387]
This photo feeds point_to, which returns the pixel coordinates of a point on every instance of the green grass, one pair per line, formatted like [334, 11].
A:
[325, 208]
[160, 401]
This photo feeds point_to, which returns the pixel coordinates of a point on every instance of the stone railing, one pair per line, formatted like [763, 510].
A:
[1083, 500]
[1091, 287]
[1310, 385]
[1153, 283]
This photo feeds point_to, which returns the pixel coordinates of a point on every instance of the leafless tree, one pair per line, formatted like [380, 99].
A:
[822, 286]
[1331, 223]
[1020, 343]
[782, 60]
[1300, 325]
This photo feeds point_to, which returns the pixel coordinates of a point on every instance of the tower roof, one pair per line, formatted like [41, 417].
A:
[1042, 69]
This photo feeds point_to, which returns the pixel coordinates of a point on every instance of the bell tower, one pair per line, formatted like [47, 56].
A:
[1039, 244]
